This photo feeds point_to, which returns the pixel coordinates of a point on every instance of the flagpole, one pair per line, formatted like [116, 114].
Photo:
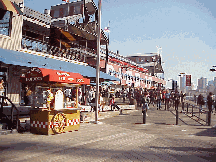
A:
[98, 60]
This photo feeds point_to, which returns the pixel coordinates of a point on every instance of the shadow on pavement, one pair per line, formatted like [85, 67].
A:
[211, 132]
[205, 153]
[35, 151]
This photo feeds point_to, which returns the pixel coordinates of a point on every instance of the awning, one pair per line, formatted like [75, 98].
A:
[35, 75]
[31, 60]
[10, 6]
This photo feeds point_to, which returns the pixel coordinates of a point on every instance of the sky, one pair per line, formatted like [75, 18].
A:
[185, 29]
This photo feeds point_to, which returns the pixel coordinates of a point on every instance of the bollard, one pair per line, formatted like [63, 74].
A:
[209, 118]
[144, 115]
[192, 110]
[177, 116]
[120, 113]
[187, 107]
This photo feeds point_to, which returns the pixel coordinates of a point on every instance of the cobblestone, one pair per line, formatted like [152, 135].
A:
[115, 139]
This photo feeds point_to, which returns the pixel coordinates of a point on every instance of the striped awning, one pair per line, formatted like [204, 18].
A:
[10, 6]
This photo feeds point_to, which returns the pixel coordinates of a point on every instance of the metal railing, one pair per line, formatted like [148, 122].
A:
[190, 110]
[9, 120]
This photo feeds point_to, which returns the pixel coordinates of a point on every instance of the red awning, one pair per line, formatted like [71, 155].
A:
[36, 75]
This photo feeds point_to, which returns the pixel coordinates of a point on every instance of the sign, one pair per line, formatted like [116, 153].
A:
[79, 80]
[33, 75]
[188, 80]
[59, 100]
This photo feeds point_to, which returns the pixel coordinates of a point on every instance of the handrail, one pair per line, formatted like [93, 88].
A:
[12, 108]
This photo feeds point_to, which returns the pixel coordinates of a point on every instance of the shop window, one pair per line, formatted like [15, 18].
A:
[5, 22]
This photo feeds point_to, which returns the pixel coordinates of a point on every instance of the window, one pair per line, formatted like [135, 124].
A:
[5, 22]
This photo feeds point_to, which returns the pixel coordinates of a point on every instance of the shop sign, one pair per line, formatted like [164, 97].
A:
[79, 80]
[33, 79]
[63, 73]
[71, 79]
[34, 70]
[62, 78]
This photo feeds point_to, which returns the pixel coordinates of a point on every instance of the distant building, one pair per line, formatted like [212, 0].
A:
[150, 61]
[183, 83]
[202, 84]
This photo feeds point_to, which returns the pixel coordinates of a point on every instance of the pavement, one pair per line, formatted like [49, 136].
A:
[119, 138]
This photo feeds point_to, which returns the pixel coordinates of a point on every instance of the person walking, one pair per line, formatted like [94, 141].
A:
[176, 98]
[210, 102]
[159, 97]
[167, 99]
[200, 102]
[152, 97]
[144, 103]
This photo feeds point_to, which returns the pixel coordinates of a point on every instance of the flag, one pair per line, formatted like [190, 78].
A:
[107, 29]
[66, 0]
[188, 80]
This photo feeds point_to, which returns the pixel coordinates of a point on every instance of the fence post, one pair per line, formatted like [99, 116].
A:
[182, 106]
[177, 116]
[209, 118]
[144, 115]
[187, 107]
[192, 110]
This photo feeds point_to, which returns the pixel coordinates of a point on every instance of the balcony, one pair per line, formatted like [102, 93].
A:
[28, 12]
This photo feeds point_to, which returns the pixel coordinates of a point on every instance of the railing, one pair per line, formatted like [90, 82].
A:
[190, 110]
[28, 12]
[10, 121]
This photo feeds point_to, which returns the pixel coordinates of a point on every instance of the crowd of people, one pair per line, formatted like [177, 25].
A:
[210, 102]
[140, 97]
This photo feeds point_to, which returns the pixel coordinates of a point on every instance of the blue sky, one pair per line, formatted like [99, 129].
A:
[185, 29]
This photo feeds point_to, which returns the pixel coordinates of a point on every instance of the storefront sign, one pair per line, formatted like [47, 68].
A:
[62, 73]
[71, 79]
[32, 70]
[34, 79]
[79, 80]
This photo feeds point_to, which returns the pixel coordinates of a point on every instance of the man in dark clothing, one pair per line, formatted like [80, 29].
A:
[210, 101]
[176, 98]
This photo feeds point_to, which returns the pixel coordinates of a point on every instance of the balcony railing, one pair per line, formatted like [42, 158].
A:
[28, 12]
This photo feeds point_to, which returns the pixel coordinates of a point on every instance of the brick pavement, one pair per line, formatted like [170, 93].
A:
[119, 138]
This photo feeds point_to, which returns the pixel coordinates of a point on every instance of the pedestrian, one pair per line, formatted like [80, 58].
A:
[144, 103]
[210, 102]
[176, 98]
[200, 102]
[167, 99]
[181, 97]
[195, 99]
[123, 94]
[113, 104]
[27, 95]
[152, 97]
[1, 89]
[159, 97]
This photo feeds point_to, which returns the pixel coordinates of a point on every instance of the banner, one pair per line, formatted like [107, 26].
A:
[188, 80]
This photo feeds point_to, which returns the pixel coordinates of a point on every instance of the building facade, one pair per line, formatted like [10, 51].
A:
[66, 34]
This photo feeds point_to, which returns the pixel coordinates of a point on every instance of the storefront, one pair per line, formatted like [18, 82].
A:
[52, 112]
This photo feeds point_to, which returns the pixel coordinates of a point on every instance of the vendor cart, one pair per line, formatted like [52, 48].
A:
[51, 112]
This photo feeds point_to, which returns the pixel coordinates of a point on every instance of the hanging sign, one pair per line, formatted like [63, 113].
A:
[188, 80]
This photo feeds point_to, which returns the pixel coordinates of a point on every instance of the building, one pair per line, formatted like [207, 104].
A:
[152, 62]
[182, 83]
[202, 84]
[62, 38]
